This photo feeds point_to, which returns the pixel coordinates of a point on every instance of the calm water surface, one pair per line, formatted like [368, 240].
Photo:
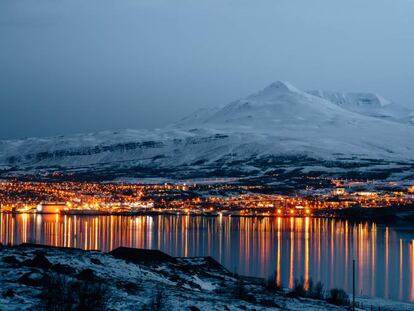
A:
[321, 249]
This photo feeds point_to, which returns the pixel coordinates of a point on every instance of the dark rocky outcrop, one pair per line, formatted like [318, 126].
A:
[138, 255]
[87, 275]
[11, 260]
[38, 261]
[63, 269]
[33, 278]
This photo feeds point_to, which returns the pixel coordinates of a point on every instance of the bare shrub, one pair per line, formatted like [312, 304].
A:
[156, 303]
[338, 297]
[272, 283]
[158, 300]
[307, 289]
[91, 294]
[62, 293]
[299, 288]
[318, 292]
[315, 291]
[240, 292]
[57, 294]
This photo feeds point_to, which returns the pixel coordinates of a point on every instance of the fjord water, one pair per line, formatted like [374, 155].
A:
[312, 248]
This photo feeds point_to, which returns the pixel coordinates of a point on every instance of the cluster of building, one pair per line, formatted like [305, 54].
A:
[211, 199]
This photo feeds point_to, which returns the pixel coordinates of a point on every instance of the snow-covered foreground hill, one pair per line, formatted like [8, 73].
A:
[279, 128]
[44, 278]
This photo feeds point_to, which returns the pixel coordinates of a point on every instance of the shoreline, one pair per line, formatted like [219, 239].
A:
[387, 215]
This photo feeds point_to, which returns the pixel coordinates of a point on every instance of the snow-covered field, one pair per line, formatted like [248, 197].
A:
[251, 136]
[184, 284]
[176, 284]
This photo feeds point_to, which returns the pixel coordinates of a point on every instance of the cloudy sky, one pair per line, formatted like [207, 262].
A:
[70, 66]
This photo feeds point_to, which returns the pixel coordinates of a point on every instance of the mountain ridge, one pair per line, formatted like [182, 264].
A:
[278, 122]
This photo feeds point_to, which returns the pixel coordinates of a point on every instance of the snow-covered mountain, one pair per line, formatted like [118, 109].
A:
[279, 127]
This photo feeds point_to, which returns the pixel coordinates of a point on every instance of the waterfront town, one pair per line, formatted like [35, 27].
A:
[197, 199]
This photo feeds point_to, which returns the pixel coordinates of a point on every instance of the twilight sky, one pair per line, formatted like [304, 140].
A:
[70, 66]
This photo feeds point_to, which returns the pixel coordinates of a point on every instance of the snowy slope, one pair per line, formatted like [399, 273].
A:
[278, 121]
[369, 104]
[189, 283]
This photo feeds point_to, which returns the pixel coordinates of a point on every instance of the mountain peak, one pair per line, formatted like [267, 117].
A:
[279, 92]
[282, 86]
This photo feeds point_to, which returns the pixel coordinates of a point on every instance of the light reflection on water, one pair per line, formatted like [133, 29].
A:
[321, 249]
